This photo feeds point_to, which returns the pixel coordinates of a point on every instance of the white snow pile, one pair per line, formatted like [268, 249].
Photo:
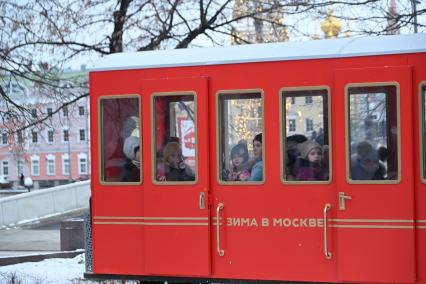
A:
[48, 271]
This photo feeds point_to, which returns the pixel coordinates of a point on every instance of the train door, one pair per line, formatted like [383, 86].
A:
[268, 225]
[176, 231]
[373, 219]
[421, 181]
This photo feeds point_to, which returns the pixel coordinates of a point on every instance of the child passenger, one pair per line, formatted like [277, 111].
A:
[311, 163]
[239, 167]
[175, 168]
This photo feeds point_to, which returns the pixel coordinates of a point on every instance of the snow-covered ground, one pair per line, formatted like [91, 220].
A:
[48, 271]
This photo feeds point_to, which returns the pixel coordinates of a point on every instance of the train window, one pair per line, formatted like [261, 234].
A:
[423, 124]
[175, 138]
[373, 133]
[120, 140]
[305, 120]
[240, 128]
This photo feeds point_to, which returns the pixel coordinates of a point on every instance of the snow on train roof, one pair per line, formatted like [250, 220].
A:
[347, 47]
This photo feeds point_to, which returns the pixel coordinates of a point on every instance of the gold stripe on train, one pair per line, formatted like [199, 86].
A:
[149, 218]
[151, 223]
[371, 226]
[371, 221]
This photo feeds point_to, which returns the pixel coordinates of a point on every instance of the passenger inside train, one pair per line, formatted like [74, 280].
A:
[292, 153]
[365, 164]
[257, 169]
[306, 146]
[240, 120]
[240, 164]
[373, 133]
[174, 166]
[131, 148]
[310, 166]
[175, 138]
[121, 139]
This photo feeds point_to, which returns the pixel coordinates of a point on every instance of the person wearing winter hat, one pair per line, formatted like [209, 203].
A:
[292, 153]
[310, 164]
[239, 170]
[174, 165]
[368, 167]
[257, 169]
[131, 149]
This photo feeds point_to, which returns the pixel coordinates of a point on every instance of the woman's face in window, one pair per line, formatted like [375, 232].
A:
[257, 149]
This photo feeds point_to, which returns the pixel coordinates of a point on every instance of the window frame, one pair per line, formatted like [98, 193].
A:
[422, 134]
[34, 134]
[79, 135]
[153, 145]
[37, 159]
[5, 135]
[65, 157]
[101, 158]
[81, 113]
[18, 172]
[82, 156]
[65, 111]
[347, 134]
[292, 127]
[51, 158]
[309, 123]
[5, 166]
[20, 137]
[63, 129]
[50, 130]
[282, 118]
[309, 101]
[218, 138]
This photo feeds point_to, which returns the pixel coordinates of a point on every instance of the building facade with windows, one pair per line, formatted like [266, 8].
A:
[50, 153]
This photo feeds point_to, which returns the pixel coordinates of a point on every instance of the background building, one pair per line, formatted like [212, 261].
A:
[55, 151]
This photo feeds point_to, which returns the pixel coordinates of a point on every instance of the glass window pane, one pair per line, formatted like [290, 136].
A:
[240, 136]
[373, 133]
[120, 140]
[306, 136]
[175, 138]
[423, 97]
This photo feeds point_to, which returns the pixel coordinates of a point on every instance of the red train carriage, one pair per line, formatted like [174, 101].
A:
[291, 162]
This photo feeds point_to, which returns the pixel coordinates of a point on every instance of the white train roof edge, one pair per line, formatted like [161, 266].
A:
[315, 49]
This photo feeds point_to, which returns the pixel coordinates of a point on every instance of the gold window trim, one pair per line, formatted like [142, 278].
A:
[422, 102]
[153, 148]
[218, 158]
[282, 132]
[101, 158]
[347, 140]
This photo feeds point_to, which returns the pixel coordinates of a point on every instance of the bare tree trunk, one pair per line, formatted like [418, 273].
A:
[116, 41]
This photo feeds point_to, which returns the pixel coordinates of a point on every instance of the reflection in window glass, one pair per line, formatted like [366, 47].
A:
[120, 140]
[306, 135]
[175, 138]
[424, 129]
[240, 134]
[373, 133]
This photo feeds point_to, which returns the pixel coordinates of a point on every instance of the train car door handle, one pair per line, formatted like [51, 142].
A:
[220, 251]
[327, 254]
[342, 198]
[202, 200]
